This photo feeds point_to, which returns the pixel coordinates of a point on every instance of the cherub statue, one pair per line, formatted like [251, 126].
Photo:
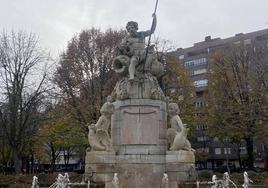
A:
[35, 182]
[247, 181]
[98, 136]
[177, 134]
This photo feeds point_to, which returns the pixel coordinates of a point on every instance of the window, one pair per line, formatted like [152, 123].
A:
[204, 149]
[237, 43]
[201, 83]
[255, 149]
[247, 41]
[262, 37]
[196, 62]
[181, 57]
[226, 140]
[217, 151]
[199, 71]
[201, 127]
[262, 147]
[243, 150]
[200, 104]
[227, 150]
[202, 138]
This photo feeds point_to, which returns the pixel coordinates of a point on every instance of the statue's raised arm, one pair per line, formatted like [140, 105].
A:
[151, 31]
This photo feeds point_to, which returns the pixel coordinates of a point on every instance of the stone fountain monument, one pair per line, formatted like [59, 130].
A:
[131, 138]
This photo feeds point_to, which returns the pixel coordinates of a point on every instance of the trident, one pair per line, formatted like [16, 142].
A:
[149, 40]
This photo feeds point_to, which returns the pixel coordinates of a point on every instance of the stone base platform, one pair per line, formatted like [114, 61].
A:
[140, 170]
[180, 167]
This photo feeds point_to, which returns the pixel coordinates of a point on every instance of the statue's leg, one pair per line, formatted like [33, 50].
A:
[99, 147]
[132, 67]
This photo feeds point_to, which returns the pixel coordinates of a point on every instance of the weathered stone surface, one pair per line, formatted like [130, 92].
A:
[180, 156]
[180, 166]
[140, 157]
[137, 169]
[139, 122]
[144, 86]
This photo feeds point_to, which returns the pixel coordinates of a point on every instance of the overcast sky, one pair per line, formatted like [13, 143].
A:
[182, 21]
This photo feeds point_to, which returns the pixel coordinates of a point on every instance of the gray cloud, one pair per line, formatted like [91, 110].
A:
[183, 22]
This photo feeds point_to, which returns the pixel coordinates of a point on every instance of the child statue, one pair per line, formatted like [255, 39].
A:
[98, 136]
[177, 134]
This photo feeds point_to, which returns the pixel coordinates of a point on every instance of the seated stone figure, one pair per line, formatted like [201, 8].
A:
[151, 64]
[177, 134]
[132, 52]
[133, 45]
[98, 136]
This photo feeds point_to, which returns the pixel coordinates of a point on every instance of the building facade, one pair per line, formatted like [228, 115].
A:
[196, 60]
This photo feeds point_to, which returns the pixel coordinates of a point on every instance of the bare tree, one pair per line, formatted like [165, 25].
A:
[22, 85]
[84, 75]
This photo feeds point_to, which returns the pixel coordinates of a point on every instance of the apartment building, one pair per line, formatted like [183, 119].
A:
[196, 60]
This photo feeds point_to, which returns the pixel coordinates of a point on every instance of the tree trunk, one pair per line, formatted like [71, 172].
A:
[227, 162]
[249, 142]
[17, 162]
[27, 165]
[239, 156]
[32, 164]
[65, 158]
[68, 156]
[53, 158]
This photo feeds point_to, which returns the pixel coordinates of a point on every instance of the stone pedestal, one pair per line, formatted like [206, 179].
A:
[135, 170]
[138, 126]
[180, 167]
[139, 149]
[140, 170]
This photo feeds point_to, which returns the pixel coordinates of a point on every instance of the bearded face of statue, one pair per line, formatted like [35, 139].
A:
[132, 28]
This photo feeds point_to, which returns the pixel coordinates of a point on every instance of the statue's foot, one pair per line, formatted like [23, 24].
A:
[131, 79]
